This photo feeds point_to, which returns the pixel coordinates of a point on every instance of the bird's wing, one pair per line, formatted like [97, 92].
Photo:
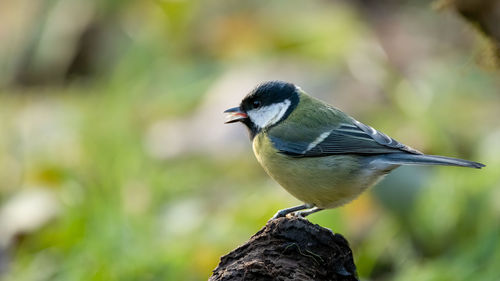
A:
[348, 137]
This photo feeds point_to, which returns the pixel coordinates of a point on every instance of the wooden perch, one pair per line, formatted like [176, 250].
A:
[289, 249]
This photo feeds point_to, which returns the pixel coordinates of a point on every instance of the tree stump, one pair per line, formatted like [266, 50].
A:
[289, 249]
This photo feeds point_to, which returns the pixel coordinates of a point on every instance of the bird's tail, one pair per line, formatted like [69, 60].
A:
[422, 159]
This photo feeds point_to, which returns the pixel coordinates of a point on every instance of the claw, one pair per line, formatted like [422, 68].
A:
[304, 214]
[279, 214]
[284, 212]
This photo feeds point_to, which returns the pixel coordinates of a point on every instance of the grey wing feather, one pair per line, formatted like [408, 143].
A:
[384, 139]
[355, 138]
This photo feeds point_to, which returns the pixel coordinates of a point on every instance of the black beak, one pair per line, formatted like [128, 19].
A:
[235, 115]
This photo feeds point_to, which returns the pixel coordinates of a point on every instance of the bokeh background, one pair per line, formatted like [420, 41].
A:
[115, 163]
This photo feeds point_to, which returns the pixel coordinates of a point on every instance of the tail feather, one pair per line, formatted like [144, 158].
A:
[422, 159]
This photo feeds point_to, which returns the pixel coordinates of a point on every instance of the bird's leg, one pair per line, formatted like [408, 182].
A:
[284, 212]
[303, 214]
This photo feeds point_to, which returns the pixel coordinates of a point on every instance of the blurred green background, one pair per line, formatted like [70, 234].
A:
[116, 164]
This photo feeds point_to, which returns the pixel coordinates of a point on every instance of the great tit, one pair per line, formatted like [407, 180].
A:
[319, 154]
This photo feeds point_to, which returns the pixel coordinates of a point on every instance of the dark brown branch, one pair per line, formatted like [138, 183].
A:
[485, 15]
[289, 249]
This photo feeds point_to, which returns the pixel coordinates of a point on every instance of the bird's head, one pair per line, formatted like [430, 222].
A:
[265, 106]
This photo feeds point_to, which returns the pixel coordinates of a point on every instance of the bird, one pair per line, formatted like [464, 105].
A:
[319, 154]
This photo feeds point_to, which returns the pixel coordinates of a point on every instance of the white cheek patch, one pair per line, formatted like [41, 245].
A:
[268, 115]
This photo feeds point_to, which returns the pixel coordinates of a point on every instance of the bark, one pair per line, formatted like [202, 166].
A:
[289, 249]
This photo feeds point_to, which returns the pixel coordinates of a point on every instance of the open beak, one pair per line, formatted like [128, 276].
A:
[234, 115]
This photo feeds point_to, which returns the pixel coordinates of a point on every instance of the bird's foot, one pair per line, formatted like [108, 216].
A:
[303, 214]
[284, 212]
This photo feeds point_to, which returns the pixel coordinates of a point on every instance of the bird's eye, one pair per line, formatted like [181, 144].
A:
[256, 104]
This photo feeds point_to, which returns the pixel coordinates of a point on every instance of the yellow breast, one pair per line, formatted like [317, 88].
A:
[326, 182]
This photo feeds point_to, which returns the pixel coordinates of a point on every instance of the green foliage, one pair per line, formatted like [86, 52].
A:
[122, 207]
